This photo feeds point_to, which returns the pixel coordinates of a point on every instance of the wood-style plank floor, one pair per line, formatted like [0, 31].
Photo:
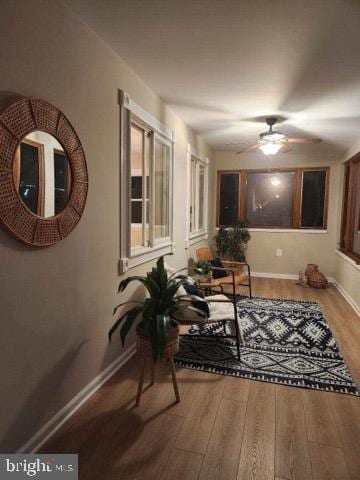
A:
[224, 428]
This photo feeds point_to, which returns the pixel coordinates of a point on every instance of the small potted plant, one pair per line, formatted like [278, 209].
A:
[158, 329]
[203, 268]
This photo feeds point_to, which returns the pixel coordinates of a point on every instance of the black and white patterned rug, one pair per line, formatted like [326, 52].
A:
[286, 342]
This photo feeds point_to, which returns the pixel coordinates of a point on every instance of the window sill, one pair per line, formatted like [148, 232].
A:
[289, 230]
[196, 238]
[146, 256]
[348, 259]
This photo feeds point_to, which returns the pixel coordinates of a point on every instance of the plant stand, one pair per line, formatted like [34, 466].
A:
[144, 349]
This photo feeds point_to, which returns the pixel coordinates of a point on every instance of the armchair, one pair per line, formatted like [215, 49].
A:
[235, 270]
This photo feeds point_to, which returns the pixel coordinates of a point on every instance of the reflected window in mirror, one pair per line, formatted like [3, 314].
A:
[42, 174]
[28, 175]
[62, 180]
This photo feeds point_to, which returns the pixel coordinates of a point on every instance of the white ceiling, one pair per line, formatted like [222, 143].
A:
[222, 64]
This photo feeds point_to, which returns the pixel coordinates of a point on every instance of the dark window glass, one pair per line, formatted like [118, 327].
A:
[136, 187]
[229, 199]
[136, 211]
[29, 176]
[270, 198]
[62, 181]
[313, 199]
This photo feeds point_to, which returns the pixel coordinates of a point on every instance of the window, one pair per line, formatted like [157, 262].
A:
[284, 198]
[269, 199]
[146, 186]
[140, 138]
[229, 197]
[350, 231]
[197, 198]
[162, 189]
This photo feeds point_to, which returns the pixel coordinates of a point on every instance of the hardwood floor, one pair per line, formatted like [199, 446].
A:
[224, 428]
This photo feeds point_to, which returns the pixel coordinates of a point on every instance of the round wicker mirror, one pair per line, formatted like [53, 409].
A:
[29, 126]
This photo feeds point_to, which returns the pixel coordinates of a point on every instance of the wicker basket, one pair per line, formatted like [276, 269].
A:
[311, 267]
[144, 347]
[317, 280]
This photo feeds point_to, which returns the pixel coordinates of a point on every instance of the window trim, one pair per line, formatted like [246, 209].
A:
[201, 234]
[297, 201]
[129, 258]
[347, 228]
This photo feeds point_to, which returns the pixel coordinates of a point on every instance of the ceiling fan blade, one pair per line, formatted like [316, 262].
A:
[285, 148]
[303, 140]
[248, 149]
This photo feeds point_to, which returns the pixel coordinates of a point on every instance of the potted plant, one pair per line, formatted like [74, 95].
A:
[158, 329]
[203, 268]
[231, 242]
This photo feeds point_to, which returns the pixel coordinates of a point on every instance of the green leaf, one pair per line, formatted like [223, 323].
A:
[131, 317]
[118, 322]
[158, 335]
[126, 303]
[148, 283]
[163, 278]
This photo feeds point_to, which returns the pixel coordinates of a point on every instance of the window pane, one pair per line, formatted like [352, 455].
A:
[29, 176]
[62, 181]
[136, 212]
[356, 238]
[270, 199]
[162, 189]
[136, 165]
[313, 199]
[136, 187]
[201, 196]
[229, 199]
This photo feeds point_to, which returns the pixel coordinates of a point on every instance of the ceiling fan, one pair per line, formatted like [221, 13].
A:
[272, 141]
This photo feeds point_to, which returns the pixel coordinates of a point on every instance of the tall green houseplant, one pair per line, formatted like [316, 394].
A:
[158, 311]
[231, 242]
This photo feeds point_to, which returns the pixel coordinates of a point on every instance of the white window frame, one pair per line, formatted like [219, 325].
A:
[197, 235]
[129, 257]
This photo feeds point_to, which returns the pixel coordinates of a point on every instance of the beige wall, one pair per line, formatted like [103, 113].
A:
[347, 273]
[298, 248]
[56, 303]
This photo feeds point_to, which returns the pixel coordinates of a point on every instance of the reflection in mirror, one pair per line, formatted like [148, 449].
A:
[42, 174]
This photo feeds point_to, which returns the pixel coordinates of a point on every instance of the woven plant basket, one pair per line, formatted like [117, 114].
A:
[317, 280]
[311, 267]
[144, 347]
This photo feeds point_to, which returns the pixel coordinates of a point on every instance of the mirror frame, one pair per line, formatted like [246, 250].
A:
[18, 119]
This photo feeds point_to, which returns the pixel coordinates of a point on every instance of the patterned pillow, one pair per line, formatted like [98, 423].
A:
[192, 289]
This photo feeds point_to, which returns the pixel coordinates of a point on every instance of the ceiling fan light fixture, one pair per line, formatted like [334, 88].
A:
[272, 136]
[270, 148]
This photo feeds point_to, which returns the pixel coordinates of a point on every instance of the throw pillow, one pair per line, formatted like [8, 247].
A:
[218, 273]
[192, 289]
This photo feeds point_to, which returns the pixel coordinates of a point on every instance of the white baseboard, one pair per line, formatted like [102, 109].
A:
[290, 276]
[347, 297]
[284, 276]
[48, 430]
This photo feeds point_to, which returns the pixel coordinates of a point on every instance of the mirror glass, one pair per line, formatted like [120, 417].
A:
[42, 174]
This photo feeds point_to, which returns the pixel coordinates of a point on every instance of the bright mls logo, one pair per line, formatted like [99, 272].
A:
[21, 466]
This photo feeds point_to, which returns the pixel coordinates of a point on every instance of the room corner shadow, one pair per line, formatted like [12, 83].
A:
[34, 412]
